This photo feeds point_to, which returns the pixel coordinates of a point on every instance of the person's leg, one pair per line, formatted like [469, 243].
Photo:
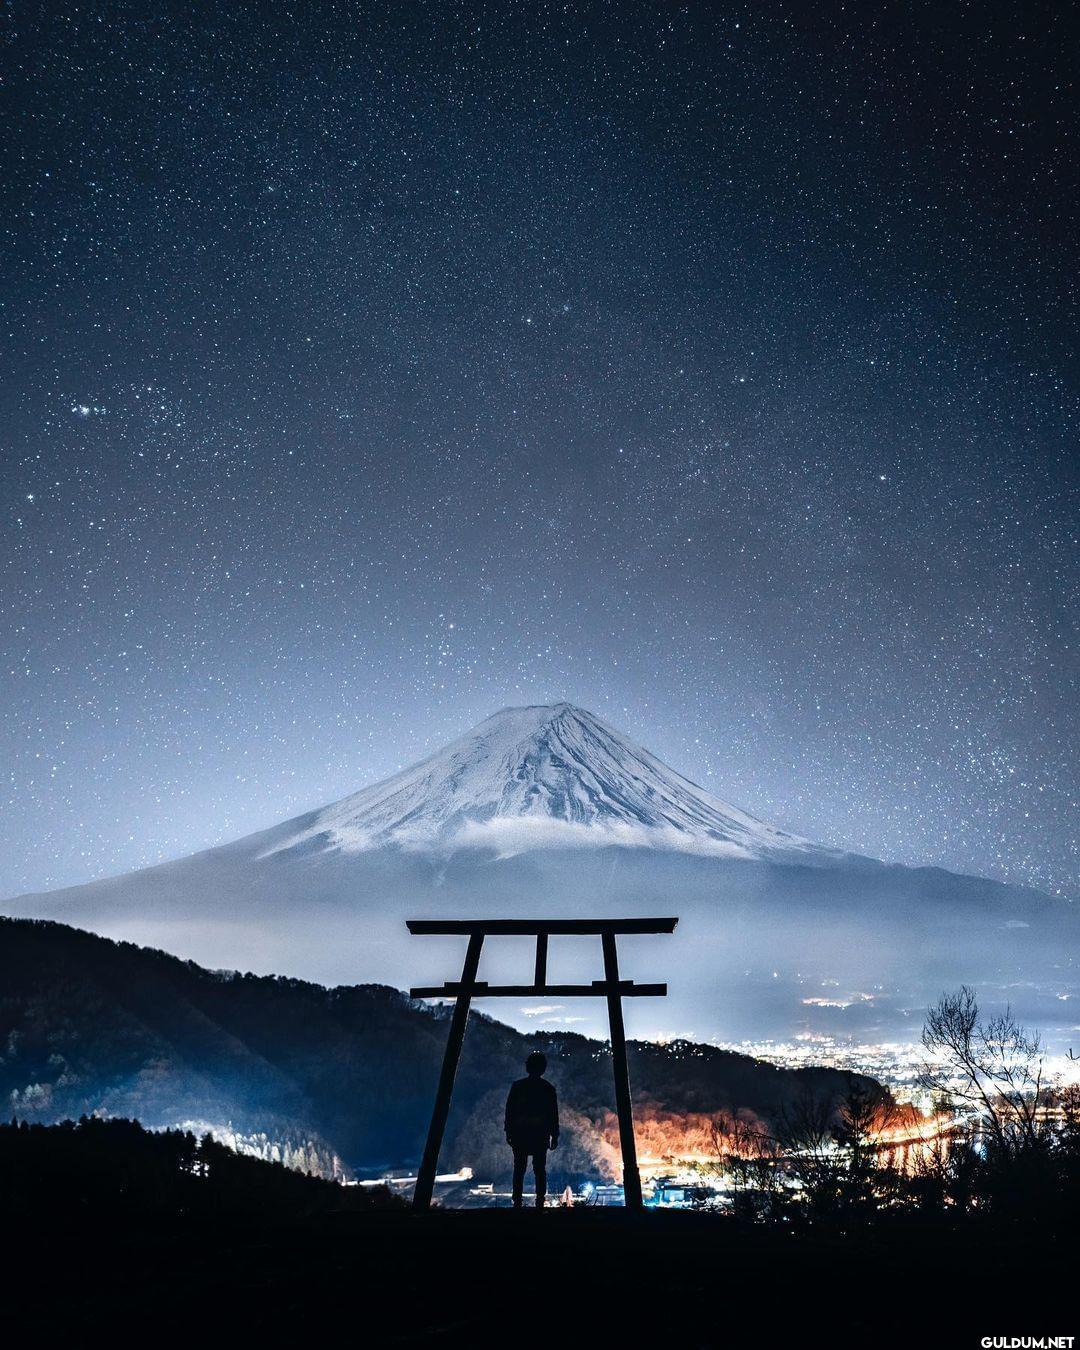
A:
[540, 1172]
[521, 1161]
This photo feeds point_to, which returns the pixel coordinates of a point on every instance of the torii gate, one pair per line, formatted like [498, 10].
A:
[463, 991]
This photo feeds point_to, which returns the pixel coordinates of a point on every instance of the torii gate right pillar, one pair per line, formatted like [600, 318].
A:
[631, 1176]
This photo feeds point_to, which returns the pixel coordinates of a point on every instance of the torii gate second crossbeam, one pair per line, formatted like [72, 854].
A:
[469, 987]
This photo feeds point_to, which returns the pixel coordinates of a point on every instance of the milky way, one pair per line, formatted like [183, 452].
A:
[367, 368]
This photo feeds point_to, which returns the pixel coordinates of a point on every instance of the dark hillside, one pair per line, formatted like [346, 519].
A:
[116, 1171]
[324, 1079]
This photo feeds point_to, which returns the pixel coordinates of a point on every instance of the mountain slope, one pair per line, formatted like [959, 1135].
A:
[550, 811]
[535, 776]
[325, 1079]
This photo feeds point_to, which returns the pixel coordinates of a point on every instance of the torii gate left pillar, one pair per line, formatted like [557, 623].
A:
[468, 988]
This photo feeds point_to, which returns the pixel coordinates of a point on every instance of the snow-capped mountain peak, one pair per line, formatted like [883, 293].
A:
[507, 821]
[534, 776]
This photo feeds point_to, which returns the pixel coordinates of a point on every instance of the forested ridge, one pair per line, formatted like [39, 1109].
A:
[327, 1080]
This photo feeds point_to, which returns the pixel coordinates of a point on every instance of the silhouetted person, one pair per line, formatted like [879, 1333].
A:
[532, 1125]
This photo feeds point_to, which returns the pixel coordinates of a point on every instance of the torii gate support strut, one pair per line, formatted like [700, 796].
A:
[469, 987]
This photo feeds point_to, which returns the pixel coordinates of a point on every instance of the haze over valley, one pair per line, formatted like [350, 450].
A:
[549, 810]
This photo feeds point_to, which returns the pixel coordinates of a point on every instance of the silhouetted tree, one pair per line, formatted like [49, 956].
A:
[992, 1070]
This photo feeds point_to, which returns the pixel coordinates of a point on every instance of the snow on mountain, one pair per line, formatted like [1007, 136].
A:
[551, 775]
[777, 937]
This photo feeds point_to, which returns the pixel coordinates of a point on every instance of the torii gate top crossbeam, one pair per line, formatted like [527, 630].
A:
[535, 927]
[541, 929]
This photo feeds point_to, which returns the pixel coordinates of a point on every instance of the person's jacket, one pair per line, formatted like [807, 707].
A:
[532, 1114]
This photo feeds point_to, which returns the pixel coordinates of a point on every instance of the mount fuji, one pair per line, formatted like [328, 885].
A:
[549, 810]
[536, 776]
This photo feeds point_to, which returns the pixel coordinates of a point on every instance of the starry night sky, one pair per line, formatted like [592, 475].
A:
[367, 368]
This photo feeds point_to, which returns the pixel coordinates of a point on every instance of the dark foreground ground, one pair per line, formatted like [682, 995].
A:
[496, 1278]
